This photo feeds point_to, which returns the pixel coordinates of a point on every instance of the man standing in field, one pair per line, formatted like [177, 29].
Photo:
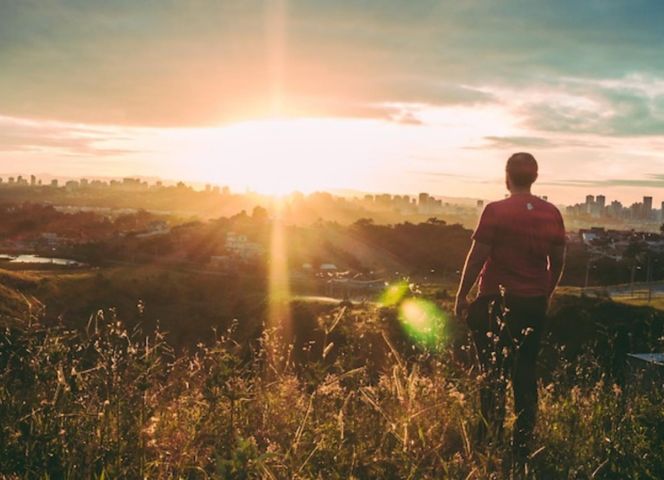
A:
[517, 257]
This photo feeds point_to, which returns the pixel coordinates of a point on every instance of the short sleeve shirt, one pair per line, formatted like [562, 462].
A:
[521, 230]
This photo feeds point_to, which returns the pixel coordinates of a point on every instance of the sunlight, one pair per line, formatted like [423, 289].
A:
[279, 313]
[423, 322]
[280, 155]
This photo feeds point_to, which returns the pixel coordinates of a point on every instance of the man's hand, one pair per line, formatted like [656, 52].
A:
[460, 306]
[477, 256]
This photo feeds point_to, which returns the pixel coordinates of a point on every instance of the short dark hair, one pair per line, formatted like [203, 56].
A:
[522, 169]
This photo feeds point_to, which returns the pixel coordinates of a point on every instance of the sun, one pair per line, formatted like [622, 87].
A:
[279, 156]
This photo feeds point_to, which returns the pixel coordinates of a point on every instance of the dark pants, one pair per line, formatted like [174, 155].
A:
[506, 331]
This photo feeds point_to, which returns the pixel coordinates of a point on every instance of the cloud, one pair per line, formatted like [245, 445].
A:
[18, 135]
[618, 113]
[511, 142]
[207, 62]
[651, 181]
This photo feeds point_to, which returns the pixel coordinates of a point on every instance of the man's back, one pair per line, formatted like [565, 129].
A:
[522, 231]
[519, 244]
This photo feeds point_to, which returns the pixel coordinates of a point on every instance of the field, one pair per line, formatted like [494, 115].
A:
[338, 392]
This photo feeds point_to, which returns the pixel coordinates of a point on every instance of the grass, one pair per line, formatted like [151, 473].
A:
[351, 398]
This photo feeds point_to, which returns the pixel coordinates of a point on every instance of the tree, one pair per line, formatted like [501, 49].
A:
[259, 214]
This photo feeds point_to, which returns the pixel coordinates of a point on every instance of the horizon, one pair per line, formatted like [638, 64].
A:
[280, 96]
[343, 193]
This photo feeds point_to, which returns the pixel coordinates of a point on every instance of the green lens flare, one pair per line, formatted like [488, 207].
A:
[423, 322]
[394, 294]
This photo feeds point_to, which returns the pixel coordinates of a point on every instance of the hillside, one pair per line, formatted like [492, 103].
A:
[353, 397]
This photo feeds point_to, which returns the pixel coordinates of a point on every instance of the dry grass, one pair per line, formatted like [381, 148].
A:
[109, 403]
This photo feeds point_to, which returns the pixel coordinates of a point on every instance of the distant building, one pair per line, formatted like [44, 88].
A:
[427, 204]
[647, 207]
[132, 184]
[54, 183]
[240, 246]
[601, 201]
[384, 199]
[590, 204]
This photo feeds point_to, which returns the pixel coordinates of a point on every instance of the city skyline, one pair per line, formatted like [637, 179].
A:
[379, 96]
[594, 205]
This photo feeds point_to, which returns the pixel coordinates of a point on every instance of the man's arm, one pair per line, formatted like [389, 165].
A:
[477, 256]
[556, 266]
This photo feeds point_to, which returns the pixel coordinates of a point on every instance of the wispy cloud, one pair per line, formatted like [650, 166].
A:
[19, 135]
[651, 181]
[510, 142]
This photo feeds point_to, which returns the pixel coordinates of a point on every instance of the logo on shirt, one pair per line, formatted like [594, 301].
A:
[529, 206]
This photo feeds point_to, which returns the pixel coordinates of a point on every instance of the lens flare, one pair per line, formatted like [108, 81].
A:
[423, 322]
[394, 294]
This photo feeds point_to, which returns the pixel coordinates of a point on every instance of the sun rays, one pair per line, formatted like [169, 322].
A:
[279, 294]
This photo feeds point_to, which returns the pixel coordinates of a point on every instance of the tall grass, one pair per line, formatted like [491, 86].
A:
[355, 400]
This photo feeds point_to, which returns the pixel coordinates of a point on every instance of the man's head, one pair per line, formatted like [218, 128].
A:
[520, 172]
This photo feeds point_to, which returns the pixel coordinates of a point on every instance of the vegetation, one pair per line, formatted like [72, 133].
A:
[350, 395]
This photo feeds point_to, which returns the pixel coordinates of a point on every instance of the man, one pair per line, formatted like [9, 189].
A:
[517, 253]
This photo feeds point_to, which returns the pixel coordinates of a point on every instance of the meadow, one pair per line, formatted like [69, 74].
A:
[350, 394]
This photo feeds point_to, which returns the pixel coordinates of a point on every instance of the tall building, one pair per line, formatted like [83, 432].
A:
[647, 208]
[601, 201]
[425, 203]
[616, 209]
[590, 203]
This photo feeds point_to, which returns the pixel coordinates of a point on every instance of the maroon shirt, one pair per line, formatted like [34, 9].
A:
[521, 230]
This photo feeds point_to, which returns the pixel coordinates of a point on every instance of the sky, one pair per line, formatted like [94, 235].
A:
[372, 95]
